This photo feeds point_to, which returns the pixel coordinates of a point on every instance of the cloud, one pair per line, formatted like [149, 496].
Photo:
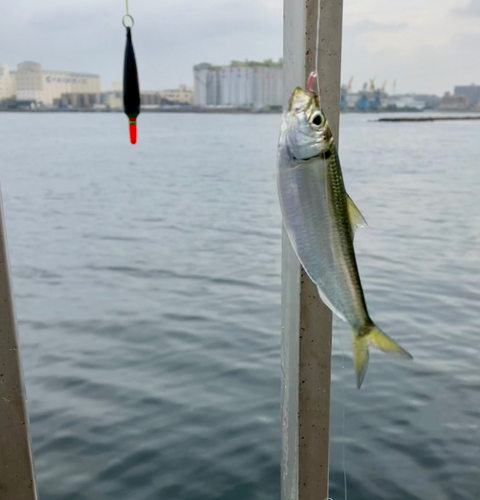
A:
[169, 36]
[471, 9]
[425, 69]
[417, 42]
[368, 25]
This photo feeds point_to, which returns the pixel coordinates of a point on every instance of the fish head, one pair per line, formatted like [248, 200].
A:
[305, 131]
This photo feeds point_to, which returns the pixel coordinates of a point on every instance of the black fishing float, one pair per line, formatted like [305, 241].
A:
[131, 89]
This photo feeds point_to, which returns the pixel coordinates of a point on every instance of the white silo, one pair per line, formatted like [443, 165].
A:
[279, 94]
[249, 86]
[241, 87]
[270, 86]
[212, 87]
[200, 76]
[224, 86]
[233, 87]
[258, 87]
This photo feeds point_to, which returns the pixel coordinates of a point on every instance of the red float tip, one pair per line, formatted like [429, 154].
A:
[133, 131]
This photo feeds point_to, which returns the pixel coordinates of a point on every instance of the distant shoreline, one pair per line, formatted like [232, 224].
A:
[250, 111]
[155, 110]
[427, 118]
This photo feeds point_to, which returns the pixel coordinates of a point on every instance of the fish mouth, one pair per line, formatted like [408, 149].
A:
[305, 159]
[324, 155]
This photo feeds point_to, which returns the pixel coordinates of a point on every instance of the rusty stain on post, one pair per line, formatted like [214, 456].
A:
[306, 321]
[17, 479]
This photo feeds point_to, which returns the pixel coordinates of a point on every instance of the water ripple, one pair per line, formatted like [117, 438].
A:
[148, 294]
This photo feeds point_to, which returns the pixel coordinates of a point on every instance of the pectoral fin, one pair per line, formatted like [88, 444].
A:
[356, 218]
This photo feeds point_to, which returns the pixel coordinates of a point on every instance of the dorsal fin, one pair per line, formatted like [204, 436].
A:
[356, 218]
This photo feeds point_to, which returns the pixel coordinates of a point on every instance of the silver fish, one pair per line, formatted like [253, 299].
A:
[321, 219]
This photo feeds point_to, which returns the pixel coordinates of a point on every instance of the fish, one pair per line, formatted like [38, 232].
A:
[320, 220]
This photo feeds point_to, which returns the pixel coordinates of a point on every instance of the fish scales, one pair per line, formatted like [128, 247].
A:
[345, 243]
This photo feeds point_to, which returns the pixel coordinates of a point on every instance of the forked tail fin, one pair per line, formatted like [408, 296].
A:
[370, 334]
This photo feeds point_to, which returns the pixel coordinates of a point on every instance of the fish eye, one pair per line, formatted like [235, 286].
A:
[317, 119]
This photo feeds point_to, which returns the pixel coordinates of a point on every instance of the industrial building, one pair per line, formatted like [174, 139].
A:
[78, 100]
[148, 98]
[451, 102]
[7, 82]
[180, 95]
[471, 92]
[241, 85]
[31, 83]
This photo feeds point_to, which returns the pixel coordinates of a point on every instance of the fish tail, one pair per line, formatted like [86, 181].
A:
[370, 334]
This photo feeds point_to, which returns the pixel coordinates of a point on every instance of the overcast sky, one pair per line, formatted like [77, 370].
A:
[425, 45]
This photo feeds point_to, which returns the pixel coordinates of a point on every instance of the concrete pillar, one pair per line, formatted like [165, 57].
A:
[306, 321]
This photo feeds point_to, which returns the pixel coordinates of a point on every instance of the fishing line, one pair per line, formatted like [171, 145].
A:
[126, 7]
[343, 424]
[314, 74]
[317, 46]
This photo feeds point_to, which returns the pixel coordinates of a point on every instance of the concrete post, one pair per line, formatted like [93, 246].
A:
[306, 321]
[17, 479]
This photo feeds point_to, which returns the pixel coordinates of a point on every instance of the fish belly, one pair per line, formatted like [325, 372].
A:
[306, 201]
